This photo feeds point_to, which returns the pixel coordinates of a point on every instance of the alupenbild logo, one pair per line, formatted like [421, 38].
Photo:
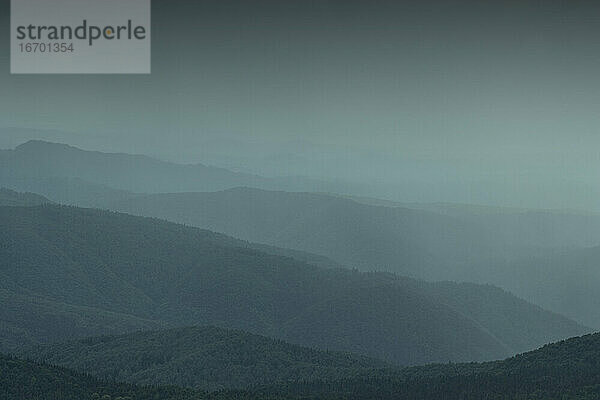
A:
[80, 36]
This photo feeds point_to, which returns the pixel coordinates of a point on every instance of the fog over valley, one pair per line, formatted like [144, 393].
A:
[318, 200]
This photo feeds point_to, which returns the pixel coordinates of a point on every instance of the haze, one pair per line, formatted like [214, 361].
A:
[473, 102]
[310, 199]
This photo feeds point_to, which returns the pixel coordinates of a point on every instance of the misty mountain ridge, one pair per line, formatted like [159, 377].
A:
[119, 175]
[435, 242]
[41, 161]
[420, 243]
[136, 173]
[495, 246]
[563, 281]
[11, 198]
[126, 172]
[304, 200]
[108, 273]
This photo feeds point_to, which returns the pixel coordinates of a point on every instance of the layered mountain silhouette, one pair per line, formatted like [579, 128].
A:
[488, 246]
[520, 227]
[431, 241]
[70, 272]
[515, 249]
[370, 238]
[70, 175]
[120, 171]
[563, 280]
[285, 314]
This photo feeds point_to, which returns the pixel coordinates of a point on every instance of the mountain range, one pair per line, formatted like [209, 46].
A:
[119, 171]
[427, 241]
[493, 246]
[245, 292]
[71, 272]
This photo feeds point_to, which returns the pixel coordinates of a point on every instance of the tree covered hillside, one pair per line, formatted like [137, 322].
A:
[26, 380]
[70, 272]
[567, 370]
[206, 358]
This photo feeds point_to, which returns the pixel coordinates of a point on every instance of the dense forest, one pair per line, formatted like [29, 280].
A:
[564, 370]
[26, 380]
[205, 358]
[567, 370]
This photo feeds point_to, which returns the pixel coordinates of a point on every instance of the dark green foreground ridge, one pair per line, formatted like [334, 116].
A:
[565, 370]
[206, 358]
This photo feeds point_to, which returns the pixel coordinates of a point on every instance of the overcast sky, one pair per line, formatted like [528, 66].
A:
[504, 95]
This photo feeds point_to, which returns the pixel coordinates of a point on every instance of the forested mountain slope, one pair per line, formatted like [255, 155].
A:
[26, 380]
[63, 266]
[567, 370]
[427, 241]
[65, 190]
[205, 358]
[410, 242]
[513, 249]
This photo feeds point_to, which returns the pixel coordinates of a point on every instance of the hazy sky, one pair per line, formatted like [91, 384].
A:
[504, 95]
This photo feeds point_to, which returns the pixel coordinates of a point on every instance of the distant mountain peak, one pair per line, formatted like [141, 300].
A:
[9, 197]
[123, 171]
[40, 144]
